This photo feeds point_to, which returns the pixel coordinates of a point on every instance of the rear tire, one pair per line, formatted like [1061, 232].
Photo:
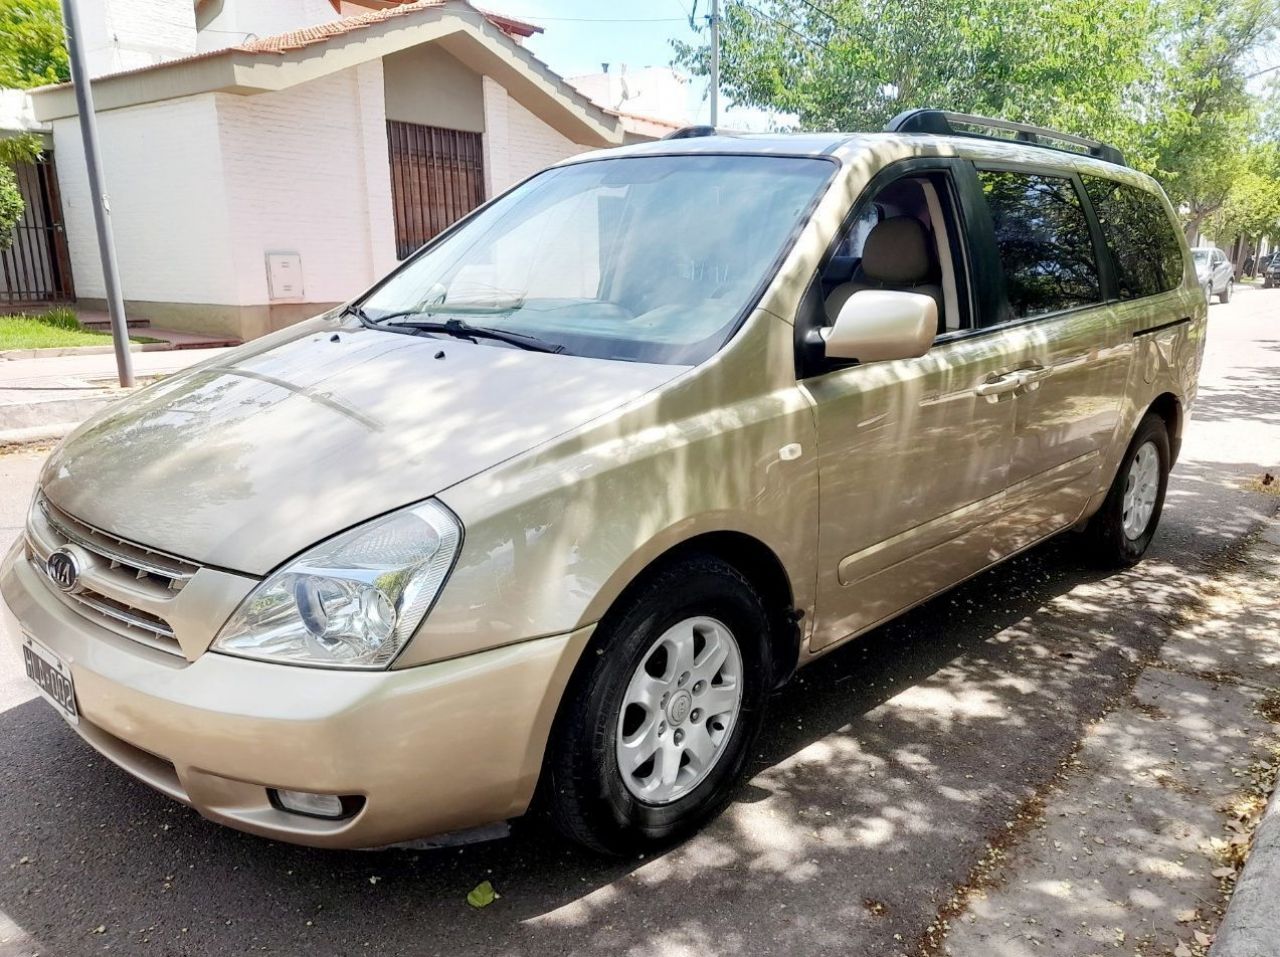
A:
[651, 684]
[1121, 531]
[1225, 295]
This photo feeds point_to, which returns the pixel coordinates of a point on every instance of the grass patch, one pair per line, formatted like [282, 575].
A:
[56, 328]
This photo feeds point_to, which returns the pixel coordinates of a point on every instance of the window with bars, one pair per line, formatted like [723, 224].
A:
[437, 177]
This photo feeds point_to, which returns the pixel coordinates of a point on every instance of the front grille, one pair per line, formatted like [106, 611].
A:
[125, 588]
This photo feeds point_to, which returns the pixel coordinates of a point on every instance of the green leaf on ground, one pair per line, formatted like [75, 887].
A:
[482, 895]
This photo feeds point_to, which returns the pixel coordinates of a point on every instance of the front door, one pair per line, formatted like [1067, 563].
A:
[913, 454]
[913, 461]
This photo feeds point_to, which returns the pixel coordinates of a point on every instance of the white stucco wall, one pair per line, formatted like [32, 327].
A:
[306, 171]
[516, 143]
[127, 34]
[163, 172]
[203, 187]
[233, 20]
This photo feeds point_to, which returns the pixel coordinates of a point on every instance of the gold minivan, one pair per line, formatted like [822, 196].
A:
[543, 518]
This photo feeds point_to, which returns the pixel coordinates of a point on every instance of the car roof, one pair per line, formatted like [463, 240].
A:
[850, 147]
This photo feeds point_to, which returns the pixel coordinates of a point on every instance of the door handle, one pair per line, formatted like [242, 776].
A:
[995, 387]
[1030, 378]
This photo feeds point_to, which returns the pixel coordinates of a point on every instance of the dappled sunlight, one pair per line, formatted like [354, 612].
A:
[947, 707]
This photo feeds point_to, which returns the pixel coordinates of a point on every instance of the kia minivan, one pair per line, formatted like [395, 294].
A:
[543, 518]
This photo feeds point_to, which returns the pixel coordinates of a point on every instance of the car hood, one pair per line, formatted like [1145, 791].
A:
[247, 459]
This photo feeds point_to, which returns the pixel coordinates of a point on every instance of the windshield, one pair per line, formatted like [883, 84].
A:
[1201, 256]
[649, 259]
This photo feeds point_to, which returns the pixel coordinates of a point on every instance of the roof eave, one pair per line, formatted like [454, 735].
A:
[461, 29]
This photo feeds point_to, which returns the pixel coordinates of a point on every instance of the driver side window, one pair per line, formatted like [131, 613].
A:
[905, 237]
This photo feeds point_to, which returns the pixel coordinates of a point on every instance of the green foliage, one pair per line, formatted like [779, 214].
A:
[1165, 80]
[853, 64]
[1199, 111]
[13, 150]
[1252, 205]
[11, 205]
[32, 43]
[55, 328]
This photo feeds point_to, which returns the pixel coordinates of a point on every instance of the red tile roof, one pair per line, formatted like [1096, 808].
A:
[309, 36]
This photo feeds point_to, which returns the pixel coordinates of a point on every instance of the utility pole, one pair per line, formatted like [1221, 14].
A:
[715, 61]
[101, 205]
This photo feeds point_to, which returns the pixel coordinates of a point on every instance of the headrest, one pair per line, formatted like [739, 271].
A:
[897, 251]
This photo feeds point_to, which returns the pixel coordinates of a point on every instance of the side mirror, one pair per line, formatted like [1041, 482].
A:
[877, 325]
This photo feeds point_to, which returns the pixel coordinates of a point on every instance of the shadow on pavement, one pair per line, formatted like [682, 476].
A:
[884, 769]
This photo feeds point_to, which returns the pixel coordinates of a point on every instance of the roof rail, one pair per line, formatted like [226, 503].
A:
[946, 123]
[690, 132]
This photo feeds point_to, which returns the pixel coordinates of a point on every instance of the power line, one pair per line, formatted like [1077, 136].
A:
[817, 9]
[781, 23]
[605, 19]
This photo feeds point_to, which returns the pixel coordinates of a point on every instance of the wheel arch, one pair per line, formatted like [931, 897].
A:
[754, 560]
[1169, 408]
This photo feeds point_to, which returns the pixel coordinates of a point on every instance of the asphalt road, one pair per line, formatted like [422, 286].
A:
[885, 771]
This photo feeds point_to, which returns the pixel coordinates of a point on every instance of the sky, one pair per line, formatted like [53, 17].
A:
[580, 35]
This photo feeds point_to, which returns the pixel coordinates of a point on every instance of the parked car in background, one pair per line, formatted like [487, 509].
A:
[549, 512]
[1271, 272]
[1215, 272]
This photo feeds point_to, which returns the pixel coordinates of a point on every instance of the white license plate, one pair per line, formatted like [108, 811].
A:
[52, 676]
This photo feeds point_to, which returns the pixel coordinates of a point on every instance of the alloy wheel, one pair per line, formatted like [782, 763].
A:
[679, 710]
[1140, 491]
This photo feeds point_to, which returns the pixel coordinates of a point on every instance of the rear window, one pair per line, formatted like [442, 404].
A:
[1140, 237]
[1042, 236]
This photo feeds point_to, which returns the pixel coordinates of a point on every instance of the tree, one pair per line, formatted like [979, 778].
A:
[15, 150]
[33, 48]
[1252, 206]
[1165, 80]
[1200, 115]
[853, 64]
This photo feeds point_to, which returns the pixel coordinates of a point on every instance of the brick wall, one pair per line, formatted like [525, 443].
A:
[201, 188]
[163, 174]
[516, 143]
[306, 171]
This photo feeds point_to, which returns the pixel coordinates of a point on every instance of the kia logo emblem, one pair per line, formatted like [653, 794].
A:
[63, 569]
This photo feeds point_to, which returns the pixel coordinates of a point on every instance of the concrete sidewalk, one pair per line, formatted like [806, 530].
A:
[46, 397]
[1139, 843]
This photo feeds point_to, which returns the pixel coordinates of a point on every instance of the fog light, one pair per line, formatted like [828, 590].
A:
[312, 805]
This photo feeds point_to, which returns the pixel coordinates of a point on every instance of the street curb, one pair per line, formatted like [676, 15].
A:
[54, 352]
[1251, 927]
[52, 413]
[11, 439]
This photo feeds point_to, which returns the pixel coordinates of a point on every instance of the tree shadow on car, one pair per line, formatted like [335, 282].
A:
[890, 760]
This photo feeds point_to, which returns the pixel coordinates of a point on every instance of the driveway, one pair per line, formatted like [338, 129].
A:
[886, 771]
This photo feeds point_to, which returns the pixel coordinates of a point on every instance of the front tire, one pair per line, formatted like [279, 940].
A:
[658, 721]
[1208, 293]
[1121, 531]
[1225, 295]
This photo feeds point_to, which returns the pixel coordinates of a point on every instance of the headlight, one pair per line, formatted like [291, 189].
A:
[353, 601]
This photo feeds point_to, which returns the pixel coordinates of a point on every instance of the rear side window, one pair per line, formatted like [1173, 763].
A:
[1140, 237]
[1042, 236]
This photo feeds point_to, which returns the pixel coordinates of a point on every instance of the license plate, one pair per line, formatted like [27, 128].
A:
[52, 676]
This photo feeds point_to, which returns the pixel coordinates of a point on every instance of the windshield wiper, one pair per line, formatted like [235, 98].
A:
[464, 330]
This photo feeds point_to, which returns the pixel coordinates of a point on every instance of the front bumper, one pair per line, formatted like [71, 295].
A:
[431, 749]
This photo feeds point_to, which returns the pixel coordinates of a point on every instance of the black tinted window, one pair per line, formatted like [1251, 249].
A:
[1043, 239]
[1143, 245]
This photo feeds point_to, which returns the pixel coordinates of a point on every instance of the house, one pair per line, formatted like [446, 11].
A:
[265, 161]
